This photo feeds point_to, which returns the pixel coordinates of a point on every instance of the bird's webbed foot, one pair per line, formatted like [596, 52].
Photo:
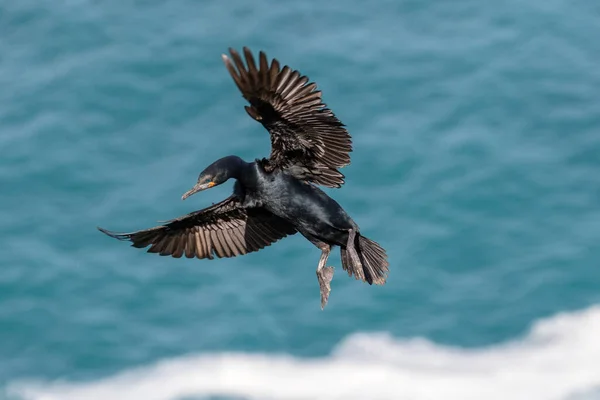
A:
[325, 275]
[353, 254]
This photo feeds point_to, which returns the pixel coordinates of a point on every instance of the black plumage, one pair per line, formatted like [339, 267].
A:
[278, 196]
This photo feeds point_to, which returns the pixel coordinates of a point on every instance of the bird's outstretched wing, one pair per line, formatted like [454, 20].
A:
[305, 134]
[225, 229]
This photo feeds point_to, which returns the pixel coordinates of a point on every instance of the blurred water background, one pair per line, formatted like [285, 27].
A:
[476, 128]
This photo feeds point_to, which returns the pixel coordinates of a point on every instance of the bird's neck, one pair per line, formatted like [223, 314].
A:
[239, 169]
[249, 174]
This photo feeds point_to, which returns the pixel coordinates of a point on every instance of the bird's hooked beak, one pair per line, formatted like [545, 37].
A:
[198, 187]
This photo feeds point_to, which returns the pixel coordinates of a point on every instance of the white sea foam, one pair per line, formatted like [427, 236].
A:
[558, 359]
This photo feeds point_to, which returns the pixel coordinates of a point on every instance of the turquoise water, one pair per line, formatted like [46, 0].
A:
[476, 129]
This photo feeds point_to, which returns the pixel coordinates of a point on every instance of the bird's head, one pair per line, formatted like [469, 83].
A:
[215, 174]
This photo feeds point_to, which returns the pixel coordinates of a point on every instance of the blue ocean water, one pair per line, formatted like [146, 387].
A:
[476, 130]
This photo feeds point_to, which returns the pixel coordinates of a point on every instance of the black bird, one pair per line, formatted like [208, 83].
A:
[278, 196]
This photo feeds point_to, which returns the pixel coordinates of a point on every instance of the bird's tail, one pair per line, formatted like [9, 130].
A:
[373, 258]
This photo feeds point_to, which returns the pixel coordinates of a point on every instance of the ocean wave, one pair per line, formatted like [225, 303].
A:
[559, 358]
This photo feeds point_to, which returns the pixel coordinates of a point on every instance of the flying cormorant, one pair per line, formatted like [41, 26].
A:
[278, 196]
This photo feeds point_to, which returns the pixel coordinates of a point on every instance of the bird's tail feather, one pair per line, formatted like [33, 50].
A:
[373, 259]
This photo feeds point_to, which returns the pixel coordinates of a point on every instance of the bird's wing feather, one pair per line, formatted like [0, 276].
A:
[304, 133]
[225, 229]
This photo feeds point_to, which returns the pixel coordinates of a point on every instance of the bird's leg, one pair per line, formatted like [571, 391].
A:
[324, 274]
[355, 260]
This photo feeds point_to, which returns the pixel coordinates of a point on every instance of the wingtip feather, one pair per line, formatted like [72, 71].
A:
[119, 236]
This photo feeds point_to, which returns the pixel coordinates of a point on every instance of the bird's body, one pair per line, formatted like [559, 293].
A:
[275, 197]
[312, 212]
